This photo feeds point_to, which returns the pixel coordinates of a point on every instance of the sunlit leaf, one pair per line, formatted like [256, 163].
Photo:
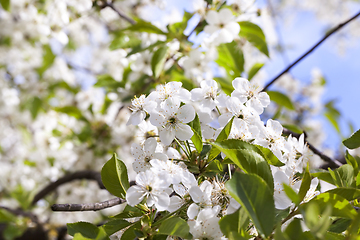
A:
[353, 141]
[254, 195]
[114, 177]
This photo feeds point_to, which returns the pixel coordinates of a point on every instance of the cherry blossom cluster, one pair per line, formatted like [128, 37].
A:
[163, 180]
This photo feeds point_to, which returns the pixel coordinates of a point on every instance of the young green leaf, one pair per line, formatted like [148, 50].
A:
[197, 137]
[222, 136]
[176, 227]
[340, 206]
[236, 222]
[115, 178]
[281, 99]
[353, 141]
[5, 4]
[143, 26]
[347, 193]
[305, 184]
[114, 226]
[254, 69]
[158, 61]
[255, 197]
[353, 162]
[86, 230]
[231, 58]
[254, 35]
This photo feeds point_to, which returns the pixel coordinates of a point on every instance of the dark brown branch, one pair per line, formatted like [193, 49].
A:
[309, 51]
[333, 163]
[87, 206]
[86, 174]
[123, 16]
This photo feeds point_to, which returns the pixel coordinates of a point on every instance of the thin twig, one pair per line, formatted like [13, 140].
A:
[309, 51]
[20, 212]
[86, 174]
[68, 207]
[123, 16]
[333, 163]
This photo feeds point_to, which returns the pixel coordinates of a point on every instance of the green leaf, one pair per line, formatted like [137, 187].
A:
[158, 61]
[6, 216]
[281, 99]
[122, 40]
[354, 229]
[115, 178]
[293, 128]
[130, 232]
[222, 136]
[5, 4]
[305, 184]
[176, 227]
[254, 69]
[109, 83]
[254, 35]
[292, 195]
[114, 226]
[250, 162]
[143, 26]
[332, 114]
[197, 137]
[294, 231]
[343, 176]
[254, 195]
[353, 141]
[347, 193]
[353, 162]
[225, 85]
[138, 48]
[129, 212]
[235, 222]
[71, 111]
[231, 59]
[48, 59]
[35, 106]
[269, 156]
[317, 218]
[339, 225]
[340, 206]
[86, 230]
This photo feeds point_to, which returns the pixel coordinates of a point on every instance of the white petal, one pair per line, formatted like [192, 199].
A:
[136, 118]
[196, 194]
[241, 84]
[197, 94]
[137, 151]
[186, 113]
[134, 195]
[167, 135]
[225, 15]
[150, 146]
[157, 119]
[212, 17]
[193, 211]
[162, 201]
[175, 203]
[160, 156]
[171, 106]
[183, 132]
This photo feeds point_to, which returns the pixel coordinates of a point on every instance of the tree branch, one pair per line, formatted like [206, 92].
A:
[68, 207]
[123, 16]
[309, 51]
[85, 174]
[333, 163]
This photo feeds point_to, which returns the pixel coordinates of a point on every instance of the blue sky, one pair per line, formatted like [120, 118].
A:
[341, 72]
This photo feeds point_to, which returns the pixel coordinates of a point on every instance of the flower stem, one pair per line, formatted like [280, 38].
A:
[182, 148]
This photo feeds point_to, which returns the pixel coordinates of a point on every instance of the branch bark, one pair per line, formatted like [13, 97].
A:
[68, 207]
[312, 49]
[86, 174]
[123, 16]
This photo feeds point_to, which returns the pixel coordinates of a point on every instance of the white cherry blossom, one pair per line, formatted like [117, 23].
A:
[222, 24]
[171, 120]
